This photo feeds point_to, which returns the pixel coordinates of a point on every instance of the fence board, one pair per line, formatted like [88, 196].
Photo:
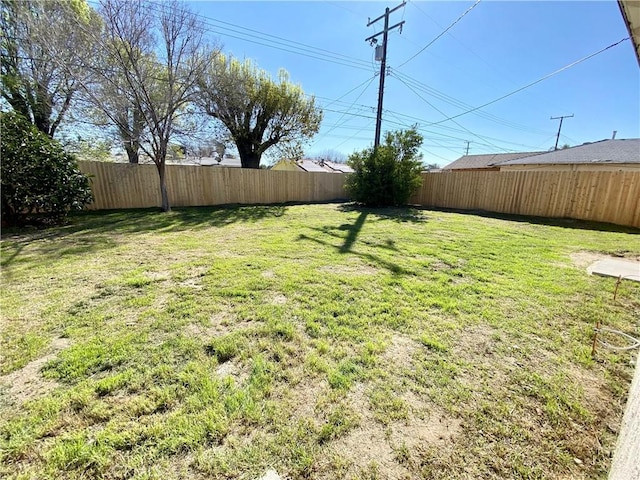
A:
[605, 196]
[121, 185]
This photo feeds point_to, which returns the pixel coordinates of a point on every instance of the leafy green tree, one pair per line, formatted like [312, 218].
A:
[258, 112]
[41, 42]
[39, 180]
[389, 174]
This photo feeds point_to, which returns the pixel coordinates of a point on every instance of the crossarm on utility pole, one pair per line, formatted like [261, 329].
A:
[387, 12]
[383, 63]
[399, 24]
[559, 128]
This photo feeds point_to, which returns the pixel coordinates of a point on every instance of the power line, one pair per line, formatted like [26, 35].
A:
[354, 135]
[533, 83]
[354, 88]
[427, 133]
[464, 106]
[440, 135]
[362, 110]
[343, 115]
[279, 43]
[441, 34]
[444, 114]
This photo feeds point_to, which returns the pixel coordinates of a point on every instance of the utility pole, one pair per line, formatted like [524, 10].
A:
[467, 152]
[560, 127]
[383, 62]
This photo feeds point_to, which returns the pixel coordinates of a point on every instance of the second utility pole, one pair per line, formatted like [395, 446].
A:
[560, 127]
[383, 63]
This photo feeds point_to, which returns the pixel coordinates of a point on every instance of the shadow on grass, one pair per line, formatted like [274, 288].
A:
[179, 219]
[547, 221]
[149, 220]
[88, 232]
[396, 214]
[353, 230]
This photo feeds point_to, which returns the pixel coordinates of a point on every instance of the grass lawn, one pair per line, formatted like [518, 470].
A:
[321, 341]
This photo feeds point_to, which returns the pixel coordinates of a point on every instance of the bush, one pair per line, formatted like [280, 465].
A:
[388, 175]
[40, 182]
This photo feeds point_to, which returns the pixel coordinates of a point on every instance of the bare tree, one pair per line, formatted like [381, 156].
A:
[330, 155]
[112, 102]
[155, 55]
[40, 44]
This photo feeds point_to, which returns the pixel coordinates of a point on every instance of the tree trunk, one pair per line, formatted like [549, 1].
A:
[163, 188]
[41, 110]
[132, 154]
[249, 159]
[42, 122]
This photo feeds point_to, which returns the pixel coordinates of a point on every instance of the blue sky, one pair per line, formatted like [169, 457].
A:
[495, 49]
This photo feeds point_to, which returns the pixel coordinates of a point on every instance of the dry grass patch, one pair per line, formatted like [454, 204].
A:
[27, 383]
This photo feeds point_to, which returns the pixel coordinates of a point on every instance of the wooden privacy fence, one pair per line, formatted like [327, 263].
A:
[123, 185]
[603, 196]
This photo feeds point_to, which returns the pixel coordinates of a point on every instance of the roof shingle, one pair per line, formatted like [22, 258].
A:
[604, 151]
[467, 162]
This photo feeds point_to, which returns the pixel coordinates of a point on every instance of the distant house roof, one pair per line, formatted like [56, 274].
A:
[308, 165]
[203, 161]
[472, 162]
[311, 166]
[337, 167]
[604, 151]
[220, 162]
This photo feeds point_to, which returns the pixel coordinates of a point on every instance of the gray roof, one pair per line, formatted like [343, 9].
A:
[604, 151]
[486, 160]
[311, 166]
[338, 167]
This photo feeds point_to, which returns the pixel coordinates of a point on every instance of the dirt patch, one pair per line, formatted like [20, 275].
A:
[388, 449]
[235, 370]
[191, 283]
[400, 351]
[27, 383]
[268, 274]
[366, 447]
[194, 279]
[439, 266]
[427, 425]
[221, 323]
[304, 397]
[349, 269]
[158, 276]
[596, 394]
[476, 341]
[278, 299]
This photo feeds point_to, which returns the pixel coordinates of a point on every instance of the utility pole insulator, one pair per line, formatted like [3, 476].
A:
[383, 60]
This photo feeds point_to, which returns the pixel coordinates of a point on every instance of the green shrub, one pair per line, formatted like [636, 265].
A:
[39, 180]
[388, 175]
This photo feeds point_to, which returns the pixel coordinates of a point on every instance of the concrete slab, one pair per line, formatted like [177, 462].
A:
[629, 270]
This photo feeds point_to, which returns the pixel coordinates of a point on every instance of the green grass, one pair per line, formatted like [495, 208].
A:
[323, 341]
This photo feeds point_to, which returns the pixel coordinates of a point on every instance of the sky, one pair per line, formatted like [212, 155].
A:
[495, 49]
